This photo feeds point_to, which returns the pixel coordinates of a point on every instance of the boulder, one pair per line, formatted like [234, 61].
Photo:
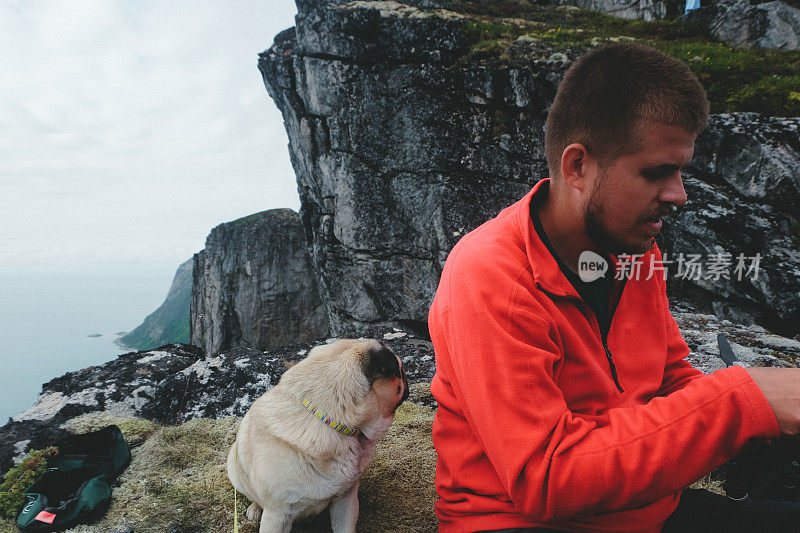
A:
[767, 25]
[743, 186]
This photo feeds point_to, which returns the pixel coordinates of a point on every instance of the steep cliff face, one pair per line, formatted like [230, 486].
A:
[253, 285]
[170, 322]
[396, 159]
[401, 146]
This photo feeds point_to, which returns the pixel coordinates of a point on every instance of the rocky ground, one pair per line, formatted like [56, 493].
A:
[174, 384]
[179, 410]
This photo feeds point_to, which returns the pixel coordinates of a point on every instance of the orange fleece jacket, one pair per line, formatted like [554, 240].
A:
[531, 429]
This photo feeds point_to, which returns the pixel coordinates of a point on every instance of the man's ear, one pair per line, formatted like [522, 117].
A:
[576, 163]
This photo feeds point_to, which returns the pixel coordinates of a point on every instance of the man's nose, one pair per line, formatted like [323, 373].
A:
[673, 191]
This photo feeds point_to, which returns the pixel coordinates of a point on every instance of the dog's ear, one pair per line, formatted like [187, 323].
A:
[380, 362]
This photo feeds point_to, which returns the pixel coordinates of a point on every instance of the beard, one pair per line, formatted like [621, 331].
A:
[604, 239]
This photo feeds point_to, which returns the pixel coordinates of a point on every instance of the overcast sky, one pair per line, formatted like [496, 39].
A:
[131, 128]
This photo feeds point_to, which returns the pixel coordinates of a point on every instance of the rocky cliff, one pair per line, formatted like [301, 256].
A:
[170, 322]
[253, 286]
[396, 155]
[402, 142]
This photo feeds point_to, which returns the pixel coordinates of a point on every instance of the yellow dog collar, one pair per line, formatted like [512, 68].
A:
[333, 424]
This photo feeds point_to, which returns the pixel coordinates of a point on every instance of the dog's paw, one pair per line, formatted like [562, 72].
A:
[254, 512]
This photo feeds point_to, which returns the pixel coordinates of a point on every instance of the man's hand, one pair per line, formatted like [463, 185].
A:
[781, 387]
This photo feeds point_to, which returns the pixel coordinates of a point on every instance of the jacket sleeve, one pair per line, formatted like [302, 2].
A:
[677, 371]
[503, 351]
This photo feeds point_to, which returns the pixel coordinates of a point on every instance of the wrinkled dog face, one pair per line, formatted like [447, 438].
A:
[387, 379]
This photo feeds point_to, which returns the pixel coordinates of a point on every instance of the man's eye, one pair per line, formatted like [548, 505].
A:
[652, 176]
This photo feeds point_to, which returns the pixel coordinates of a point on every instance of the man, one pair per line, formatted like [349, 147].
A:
[564, 404]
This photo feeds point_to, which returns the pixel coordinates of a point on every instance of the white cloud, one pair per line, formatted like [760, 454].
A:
[132, 128]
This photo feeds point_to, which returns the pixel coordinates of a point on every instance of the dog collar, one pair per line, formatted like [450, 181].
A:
[333, 424]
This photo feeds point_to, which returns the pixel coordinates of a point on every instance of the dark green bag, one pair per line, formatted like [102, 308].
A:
[75, 489]
[60, 499]
[106, 449]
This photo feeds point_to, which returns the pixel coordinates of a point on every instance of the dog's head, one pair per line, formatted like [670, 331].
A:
[362, 381]
[384, 371]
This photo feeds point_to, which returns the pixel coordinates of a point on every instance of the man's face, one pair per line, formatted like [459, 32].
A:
[628, 198]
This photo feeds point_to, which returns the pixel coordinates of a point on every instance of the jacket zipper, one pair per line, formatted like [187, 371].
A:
[609, 356]
[605, 339]
[613, 367]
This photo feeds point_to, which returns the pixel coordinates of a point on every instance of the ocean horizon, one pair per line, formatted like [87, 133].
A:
[58, 320]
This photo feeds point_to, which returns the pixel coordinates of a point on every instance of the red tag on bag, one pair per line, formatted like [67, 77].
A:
[45, 517]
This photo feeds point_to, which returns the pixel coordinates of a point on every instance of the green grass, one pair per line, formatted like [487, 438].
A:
[773, 94]
[485, 31]
[735, 78]
[172, 332]
[742, 79]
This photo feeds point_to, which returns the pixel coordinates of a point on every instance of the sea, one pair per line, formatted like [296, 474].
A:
[57, 320]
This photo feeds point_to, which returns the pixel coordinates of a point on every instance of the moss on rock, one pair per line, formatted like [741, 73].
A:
[737, 78]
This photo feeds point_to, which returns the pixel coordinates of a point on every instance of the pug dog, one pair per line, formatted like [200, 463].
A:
[306, 442]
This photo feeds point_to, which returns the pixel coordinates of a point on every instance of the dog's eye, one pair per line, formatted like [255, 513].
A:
[398, 389]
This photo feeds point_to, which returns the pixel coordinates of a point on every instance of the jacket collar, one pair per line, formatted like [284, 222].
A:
[545, 269]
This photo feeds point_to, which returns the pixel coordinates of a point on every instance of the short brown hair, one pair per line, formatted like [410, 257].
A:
[607, 92]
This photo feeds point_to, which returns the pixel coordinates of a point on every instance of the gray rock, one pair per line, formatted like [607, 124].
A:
[636, 9]
[359, 30]
[735, 22]
[399, 154]
[752, 345]
[395, 161]
[743, 186]
[228, 383]
[253, 285]
[768, 25]
[121, 387]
